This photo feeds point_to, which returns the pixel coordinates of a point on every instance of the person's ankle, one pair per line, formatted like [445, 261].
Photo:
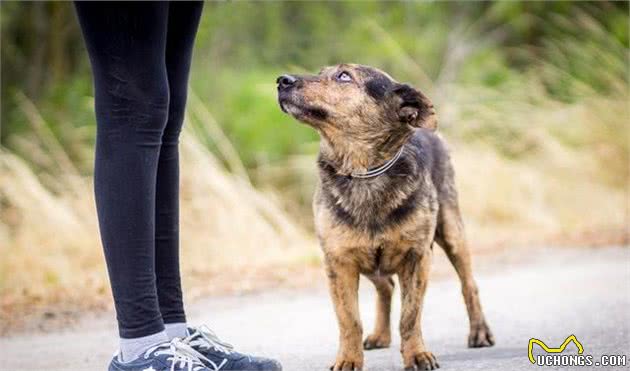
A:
[176, 330]
[131, 349]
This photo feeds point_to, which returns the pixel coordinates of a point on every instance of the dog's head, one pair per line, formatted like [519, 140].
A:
[357, 102]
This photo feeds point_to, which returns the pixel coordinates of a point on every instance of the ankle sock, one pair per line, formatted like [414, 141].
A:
[131, 349]
[176, 330]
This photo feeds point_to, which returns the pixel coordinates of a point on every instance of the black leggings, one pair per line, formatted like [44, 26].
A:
[140, 55]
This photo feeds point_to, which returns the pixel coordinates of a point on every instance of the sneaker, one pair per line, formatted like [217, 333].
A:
[219, 355]
[169, 356]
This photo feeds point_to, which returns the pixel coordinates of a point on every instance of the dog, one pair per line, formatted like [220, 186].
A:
[386, 192]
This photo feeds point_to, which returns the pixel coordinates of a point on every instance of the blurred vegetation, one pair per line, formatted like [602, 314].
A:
[520, 79]
[242, 46]
[532, 96]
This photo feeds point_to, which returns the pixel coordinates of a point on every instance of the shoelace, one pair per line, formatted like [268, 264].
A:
[181, 355]
[205, 338]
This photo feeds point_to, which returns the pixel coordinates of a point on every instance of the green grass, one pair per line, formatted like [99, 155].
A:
[245, 104]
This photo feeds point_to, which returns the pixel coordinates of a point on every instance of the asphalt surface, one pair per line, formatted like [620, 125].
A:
[547, 294]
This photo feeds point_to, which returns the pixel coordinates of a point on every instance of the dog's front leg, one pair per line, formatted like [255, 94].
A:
[343, 280]
[413, 278]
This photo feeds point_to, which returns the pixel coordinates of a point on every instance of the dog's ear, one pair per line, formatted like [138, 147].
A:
[413, 107]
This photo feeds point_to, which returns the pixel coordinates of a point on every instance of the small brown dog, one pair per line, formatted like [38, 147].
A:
[386, 193]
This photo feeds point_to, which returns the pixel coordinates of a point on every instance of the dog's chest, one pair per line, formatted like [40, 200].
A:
[376, 205]
[380, 253]
[386, 252]
[376, 222]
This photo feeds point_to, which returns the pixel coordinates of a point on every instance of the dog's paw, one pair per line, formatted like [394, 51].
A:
[480, 336]
[377, 341]
[422, 361]
[348, 363]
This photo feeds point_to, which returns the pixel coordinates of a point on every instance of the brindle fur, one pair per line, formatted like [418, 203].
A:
[384, 225]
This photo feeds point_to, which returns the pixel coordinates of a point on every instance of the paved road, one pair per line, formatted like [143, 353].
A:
[543, 293]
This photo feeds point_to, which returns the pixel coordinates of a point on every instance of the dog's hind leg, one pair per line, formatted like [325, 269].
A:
[381, 337]
[450, 236]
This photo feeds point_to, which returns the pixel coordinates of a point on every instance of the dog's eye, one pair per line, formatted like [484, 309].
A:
[344, 76]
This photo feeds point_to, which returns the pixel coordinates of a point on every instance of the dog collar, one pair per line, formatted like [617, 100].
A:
[371, 173]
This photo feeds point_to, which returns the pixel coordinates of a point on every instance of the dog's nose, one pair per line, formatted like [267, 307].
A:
[285, 81]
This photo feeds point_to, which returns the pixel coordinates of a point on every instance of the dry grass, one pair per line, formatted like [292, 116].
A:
[541, 201]
[566, 173]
